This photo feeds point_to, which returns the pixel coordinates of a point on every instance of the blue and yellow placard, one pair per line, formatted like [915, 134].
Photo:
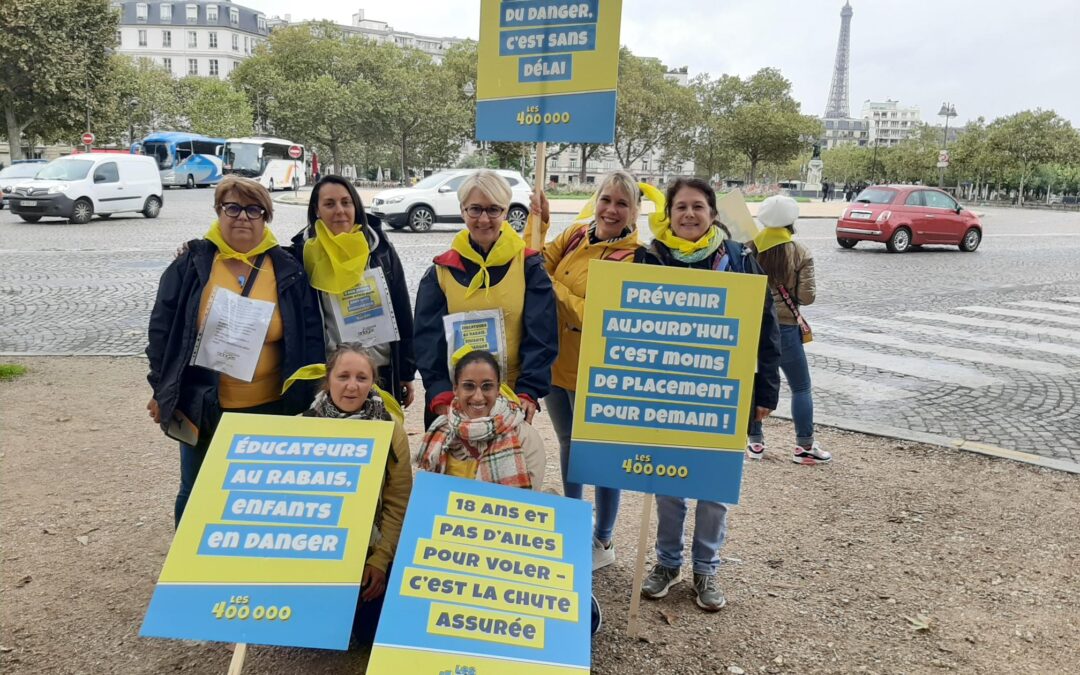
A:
[487, 579]
[547, 70]
[665, 379]
[272, 544]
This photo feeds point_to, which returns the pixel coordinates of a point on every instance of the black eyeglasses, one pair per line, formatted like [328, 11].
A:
[475, 211]
[253, 211]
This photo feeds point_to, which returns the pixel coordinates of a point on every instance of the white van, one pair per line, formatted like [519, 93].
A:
[78, 186]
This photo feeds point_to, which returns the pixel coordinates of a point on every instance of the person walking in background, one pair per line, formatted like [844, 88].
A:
[790, 268]
[825, 187]
[606, 230]
[688, 234]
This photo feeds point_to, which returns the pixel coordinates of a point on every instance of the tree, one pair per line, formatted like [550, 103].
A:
[136, 96]
[764, 123]
[712, 152]
[213, 108]
[849, 164]
[652, 112]
[1031, 138]
[52, 55]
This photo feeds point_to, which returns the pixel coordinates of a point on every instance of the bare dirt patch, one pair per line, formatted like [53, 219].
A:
[897, 558]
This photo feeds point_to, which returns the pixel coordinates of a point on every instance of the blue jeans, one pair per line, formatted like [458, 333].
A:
[797, 373]
[710, 530]
[560, 407]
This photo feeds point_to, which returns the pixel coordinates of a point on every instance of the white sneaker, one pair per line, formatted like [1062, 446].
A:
[755, 450]
[812, 455]
[602, 556]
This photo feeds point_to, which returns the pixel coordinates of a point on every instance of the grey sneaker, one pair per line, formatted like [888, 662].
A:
[658, 582]
[709, 596]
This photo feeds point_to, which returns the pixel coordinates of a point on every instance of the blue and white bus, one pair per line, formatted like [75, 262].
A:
[183, 158]
[266, 160]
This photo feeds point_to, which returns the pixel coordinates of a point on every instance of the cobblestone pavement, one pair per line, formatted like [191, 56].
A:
[983, 347]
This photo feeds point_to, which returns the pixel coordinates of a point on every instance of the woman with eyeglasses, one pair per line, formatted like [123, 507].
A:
[490, 293]
[347, 258]
[234, 317]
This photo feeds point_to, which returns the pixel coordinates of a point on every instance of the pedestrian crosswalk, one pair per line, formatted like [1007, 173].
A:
[898, 357]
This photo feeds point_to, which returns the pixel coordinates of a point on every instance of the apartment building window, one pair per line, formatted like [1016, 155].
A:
[213, 40]
[193, 14]
[141, 12]
[573, 162]
[213, 67]
[235, 42]
[192, 39]
[142, 37]
[167, 62]
[211, 13]
[247, 45]
[234, 16]
[166, 38]
[260, 20]
[165, 12]
[193, 66]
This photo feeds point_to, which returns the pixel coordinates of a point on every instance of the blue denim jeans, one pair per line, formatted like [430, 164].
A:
[710, 530]
[560, 407]
[797, 373]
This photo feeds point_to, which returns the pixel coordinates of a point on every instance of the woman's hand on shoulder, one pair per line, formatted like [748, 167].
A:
[530, 409]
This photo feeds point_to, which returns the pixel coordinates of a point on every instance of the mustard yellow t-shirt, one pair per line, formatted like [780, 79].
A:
[265, 385]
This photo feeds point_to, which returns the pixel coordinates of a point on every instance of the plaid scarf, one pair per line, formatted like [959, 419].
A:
[492, 441]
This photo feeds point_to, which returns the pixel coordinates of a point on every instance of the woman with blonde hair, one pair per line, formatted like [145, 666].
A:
[491, 293]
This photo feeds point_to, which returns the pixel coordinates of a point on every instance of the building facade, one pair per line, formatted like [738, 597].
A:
[197, 37]
[381, 31]
[889, 122]
[844, 131]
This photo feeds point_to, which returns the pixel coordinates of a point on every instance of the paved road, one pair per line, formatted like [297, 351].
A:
[983, 347]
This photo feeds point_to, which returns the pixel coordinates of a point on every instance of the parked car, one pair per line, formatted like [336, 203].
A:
[434, 200]
[77, 187]
[902, 216]
[26, 168]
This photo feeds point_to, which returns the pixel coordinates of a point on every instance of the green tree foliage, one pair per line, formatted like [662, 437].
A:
[213, 108]
[1030, 139]
[652, 112]
[52, 57]
[136, 95]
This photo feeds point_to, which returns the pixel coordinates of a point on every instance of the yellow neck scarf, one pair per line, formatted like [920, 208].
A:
[770, 237]
[660, 225]
[317, 371]
[506, 248]
[228, 252]
[336, 262]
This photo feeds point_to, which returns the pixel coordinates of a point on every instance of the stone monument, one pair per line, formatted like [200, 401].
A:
[813, 171]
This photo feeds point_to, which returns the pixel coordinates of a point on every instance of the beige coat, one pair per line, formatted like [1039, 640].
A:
[800, 284]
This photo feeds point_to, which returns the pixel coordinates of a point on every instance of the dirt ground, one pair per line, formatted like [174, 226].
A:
[896, 558]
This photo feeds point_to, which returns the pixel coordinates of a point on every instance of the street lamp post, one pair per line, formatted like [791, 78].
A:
[947, 110]
[132, 104]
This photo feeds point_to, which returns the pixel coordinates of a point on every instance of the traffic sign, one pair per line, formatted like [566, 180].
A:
[88, 138]
[942, 159]
[295, 151]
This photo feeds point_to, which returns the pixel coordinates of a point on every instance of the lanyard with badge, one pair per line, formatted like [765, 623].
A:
[364, 313]
[232, 338]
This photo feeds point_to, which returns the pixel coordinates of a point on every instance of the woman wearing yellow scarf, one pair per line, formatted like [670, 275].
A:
[687, 233]
[239, 255]
[487, 268]
[340, 244]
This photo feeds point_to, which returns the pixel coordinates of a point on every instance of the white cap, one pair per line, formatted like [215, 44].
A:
[778, 211]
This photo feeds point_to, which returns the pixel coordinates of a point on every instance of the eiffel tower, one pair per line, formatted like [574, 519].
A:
[837, 106]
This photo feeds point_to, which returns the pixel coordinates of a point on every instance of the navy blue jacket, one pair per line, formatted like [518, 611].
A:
[539, 331]
[402, 366]
[174, 328]
[767, 379]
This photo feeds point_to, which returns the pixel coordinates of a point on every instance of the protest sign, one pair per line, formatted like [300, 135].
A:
[271, 547]
[547, 70]
[487, 579]
[665, 379]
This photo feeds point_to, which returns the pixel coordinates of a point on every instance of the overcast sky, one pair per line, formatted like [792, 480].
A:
[987, 57]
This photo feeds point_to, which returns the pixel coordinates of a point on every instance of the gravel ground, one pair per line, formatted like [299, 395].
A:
[897, 558]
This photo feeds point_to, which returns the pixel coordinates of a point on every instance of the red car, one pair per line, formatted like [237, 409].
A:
[902, 216]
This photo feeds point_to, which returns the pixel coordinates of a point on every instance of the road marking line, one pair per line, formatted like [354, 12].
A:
[1049, 331]
[961, 353]
[1050, 306]
[857, 388]
[996, 340]
[1034, 316]
[1072, 301]
[928, 369]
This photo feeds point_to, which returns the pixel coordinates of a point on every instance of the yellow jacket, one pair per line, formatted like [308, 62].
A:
[566, 259]
[393, 500]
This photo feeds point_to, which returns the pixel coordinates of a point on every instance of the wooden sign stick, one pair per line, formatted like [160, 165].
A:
[238, 656]
[537, 241]
[639, 564]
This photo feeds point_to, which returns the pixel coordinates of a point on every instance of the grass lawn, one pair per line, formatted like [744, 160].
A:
[9, 371]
